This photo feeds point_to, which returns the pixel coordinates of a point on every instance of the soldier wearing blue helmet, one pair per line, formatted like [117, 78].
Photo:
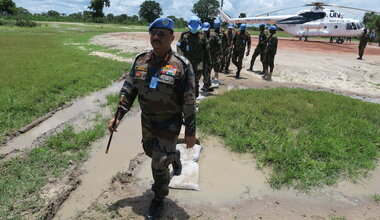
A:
[215, 40]
[165, 85]
[260, 48]
[194, 46]
[271, 51]
[241, 40]
[230, 36]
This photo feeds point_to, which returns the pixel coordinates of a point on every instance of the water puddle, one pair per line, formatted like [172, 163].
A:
[100, 167]
[81, 109]
[225, 176]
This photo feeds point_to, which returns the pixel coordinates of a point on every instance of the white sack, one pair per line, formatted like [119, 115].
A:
[189, 178]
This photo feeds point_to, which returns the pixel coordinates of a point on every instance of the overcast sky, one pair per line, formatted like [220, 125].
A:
[181, 8]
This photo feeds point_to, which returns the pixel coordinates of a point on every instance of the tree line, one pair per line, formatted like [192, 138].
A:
[149, 11]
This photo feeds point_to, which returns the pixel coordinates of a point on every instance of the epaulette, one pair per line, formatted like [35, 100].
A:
[182, 58]
[183, 33]
[201, 34]
[142, 53]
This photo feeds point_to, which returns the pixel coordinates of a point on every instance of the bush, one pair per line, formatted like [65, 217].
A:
[26, 23]
[6, 22]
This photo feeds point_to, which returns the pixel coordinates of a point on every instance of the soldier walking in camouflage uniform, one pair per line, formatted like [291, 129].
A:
[270, 53]
[194, 46]
[225, 46]
[260, 48]
[164, 83]
[215, 43]
[363, 43]
[241, 39]
[228, 54]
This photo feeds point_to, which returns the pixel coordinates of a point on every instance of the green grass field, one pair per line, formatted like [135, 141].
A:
[40, 73]
[310, 139]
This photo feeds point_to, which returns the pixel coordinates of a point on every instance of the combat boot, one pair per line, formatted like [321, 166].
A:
[237, 74]
[177, 165]
[155, 209]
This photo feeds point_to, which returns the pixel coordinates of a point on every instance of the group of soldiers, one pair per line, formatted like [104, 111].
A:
[213, 49]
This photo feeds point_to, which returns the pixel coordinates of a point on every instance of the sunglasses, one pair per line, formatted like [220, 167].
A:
[159, 33]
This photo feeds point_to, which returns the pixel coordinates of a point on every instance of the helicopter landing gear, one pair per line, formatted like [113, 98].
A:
[303, 38]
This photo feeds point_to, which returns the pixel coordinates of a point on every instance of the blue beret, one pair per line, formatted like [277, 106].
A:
[272, 28]
[243, 27]
[194, 23]
[206, 26]
[217, 23]
[166, 23]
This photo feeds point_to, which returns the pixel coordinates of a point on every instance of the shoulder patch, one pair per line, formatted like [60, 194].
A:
[182, 58]
[142, 54]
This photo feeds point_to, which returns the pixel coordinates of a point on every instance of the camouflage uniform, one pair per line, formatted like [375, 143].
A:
[225, 44]
[241, 39]
[270, 54]
[363, 43]
[215, 43]
[230, 36]
[260, 49]
[195, 47]
[163, 106]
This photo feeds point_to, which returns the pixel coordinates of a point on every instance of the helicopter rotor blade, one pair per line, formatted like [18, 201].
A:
[345, 7]
[278, 10]
[349, 11]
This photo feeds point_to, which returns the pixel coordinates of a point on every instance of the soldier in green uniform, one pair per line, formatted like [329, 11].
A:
[164, 82]
[363, 43]
[224, 50]
[194, 46]
[215, 43]
[260, 48]
[228, 54]
[270, 53]
[241, 40]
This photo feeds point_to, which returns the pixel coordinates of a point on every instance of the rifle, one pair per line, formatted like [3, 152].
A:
[114, 122]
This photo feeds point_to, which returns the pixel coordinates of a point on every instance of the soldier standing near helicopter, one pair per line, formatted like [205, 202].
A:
[270, 53]
[241, 40]
[363, 43]
[260, 48]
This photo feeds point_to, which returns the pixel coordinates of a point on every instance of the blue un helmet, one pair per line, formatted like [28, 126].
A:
[231, 25]
[166, 23]
[194, 24]
[216, 23]
[206, 26]
[272, 28]
[243, 27]
[262, 26]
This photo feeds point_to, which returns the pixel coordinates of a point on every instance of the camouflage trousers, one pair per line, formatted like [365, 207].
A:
[159, 139]
[258, 51]
[361, 51]
[227, 57]
[237, 58]
[269, 62]
[213, 65]
[206, 79]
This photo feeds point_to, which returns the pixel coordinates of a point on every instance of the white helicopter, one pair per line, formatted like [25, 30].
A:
[315, 22]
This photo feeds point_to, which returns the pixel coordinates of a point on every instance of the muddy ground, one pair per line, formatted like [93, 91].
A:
[231, 185]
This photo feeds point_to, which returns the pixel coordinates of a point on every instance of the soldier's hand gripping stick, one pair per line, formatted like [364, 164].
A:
[114, 122]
